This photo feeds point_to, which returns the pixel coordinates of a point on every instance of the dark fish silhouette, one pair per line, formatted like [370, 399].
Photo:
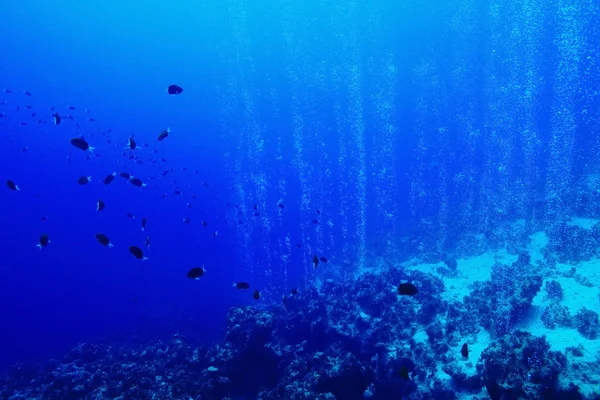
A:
[196, 273]
[407, 289]
[174, 89]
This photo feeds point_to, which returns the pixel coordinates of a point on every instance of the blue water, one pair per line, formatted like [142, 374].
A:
[369, 134]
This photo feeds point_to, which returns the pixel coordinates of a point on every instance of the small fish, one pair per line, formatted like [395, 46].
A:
[315, 221]
[137, 253]
[72, 108]
[256, 295]
[137, 182]
[186, 220]
[100, 205]
[323, 260]
[44, 241]
[281, 205]
[403, 372]
[294, 292]
[196, 273]
[110, 178]
[84, 180]
[27, 93]
[103, 240]
[56, 118]
[407, 289]
[147, 242]
[163, 134]
[315, 261]
[204, 223]
[465, 350]
[131, 144]
[11, 185]
[174, 89]
[125, 175]
[81, 144]
[215, 234]
[298, 245]
[130, 215]
[143, 224]
[241, 285]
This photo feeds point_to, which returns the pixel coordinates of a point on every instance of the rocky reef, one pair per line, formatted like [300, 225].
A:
[349, 340]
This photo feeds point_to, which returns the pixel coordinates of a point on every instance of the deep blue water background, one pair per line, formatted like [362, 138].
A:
[248, 68]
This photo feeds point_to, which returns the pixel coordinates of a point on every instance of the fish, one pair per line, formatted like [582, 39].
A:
[143, 224]
[196, 273]
[294, 292]
[315, 261]
[137, 253]
[11, 185]
[130, 215]
[281, 205]
[186, 220]
[407, 289]
[84, 180]
[110, 178]
[100, 205]
[125, 175]
[464, 350]
[81, 144]
[56, 118]
[215, 234]
[164, 134]
[174, 89]
[137, 182]
[241, 285]
[131, 144]
[147, 242]
[403, 372]
[323, 260]
[256, 294]
[44, 241]
[103, 240]
[27, 93]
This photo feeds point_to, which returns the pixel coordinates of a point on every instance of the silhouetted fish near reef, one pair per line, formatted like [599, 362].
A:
[323, 260]
[256, 295]
[315, 261]
[110, 178]
[56, 118]
[164, 134]
[174, 89]
[465, 350]
[137, 182]
[143, 224]
[100, 205]
[103, 240]
[11, 185]
[44, 241]
[407, 289]
[125, 175]
[241, 285]
[137, 253]
[80, 143]
[131, 144]
[196, 273]
[84, 180]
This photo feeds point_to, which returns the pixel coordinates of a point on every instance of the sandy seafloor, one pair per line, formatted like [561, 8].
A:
[577, 296]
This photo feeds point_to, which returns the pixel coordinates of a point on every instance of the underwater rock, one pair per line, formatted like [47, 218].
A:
[499, 304]
[571, 244]
[520, 366]
[556, 315]
[554, 291]
[587, 323]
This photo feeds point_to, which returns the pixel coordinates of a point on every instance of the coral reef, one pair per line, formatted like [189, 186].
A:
[355, 339]
[587, 323]
[499, 304]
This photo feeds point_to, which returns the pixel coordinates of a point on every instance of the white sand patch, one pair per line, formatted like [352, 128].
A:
[585, 223]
